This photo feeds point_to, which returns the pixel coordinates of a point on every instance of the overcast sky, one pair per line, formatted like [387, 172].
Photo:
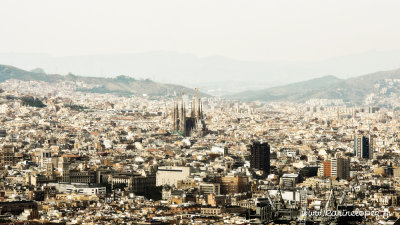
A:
[245, 30]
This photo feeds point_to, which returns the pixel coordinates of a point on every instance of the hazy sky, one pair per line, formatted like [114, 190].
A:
[246, 30]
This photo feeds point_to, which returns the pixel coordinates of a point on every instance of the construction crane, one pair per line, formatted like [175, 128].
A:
[281, 198]
[331, 200]
[270, 201]
[343, 197]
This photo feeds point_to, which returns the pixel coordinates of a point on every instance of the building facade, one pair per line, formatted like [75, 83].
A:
[233, 184]
[337, 167]
[363, 147]
[170, 175]
[260, 156]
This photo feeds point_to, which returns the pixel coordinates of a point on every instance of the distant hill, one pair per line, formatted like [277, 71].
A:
[378, 86]
[230, 75]
[299, 91]
[119, 85]
[38, 70]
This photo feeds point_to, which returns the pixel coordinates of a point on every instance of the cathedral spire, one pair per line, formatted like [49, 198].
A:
[197, 104]
[192, 124]
[176, 115]
[201, 110]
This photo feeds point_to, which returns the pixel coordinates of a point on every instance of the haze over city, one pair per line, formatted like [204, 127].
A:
[197, 43]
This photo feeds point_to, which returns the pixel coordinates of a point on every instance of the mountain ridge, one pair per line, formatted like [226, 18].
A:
[380, 84]
[191, 70]
[122, 84]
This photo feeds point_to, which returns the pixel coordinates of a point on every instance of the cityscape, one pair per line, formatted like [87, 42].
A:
[199, 112]
[89, 158]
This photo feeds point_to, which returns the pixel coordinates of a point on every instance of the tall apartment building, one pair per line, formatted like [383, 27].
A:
[260, 156]
[7, 155]
[343, 168]
[363, 147]
[337, 167]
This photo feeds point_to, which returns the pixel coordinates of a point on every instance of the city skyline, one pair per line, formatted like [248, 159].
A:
[199, 112]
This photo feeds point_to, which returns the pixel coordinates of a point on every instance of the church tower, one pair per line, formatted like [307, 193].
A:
[182, 118]
[175, 116]
[196, 104]
[188, 126]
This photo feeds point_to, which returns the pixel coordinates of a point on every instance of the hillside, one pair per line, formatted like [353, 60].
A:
[119, 85]
[299, 91]
[216, 75]
[374, 88]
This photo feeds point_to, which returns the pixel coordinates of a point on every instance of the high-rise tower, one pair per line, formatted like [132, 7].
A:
[260, 156]
[363, 147]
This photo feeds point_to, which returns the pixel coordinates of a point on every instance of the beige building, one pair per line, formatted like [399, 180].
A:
[170, 175]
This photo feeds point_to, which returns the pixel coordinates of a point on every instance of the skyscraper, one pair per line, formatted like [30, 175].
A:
[260, 156]
[342, 167]
[363, 147]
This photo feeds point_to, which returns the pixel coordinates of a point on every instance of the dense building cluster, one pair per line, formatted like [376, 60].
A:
[87, 158]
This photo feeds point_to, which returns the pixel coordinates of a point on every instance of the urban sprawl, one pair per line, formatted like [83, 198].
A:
[70, 157]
